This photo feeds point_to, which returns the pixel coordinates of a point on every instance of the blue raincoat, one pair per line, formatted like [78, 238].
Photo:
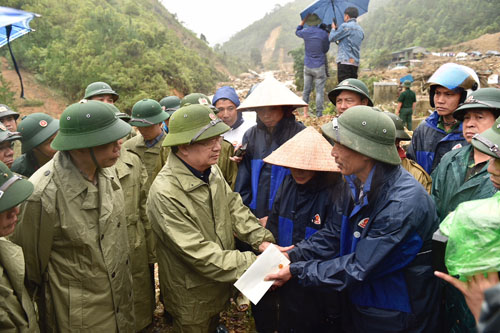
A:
[429, 143]
[257, 182]
[379, 252]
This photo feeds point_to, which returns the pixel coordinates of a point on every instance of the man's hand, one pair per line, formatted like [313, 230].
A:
[473, 289]
[334, 27]
[263, 221]
[236, 159]
[281, 277]
[263, 246]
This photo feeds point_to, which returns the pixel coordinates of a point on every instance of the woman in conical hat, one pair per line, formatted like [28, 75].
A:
[304, 204]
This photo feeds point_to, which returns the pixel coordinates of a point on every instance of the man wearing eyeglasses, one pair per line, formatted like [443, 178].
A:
[196, 216]
[148, 116]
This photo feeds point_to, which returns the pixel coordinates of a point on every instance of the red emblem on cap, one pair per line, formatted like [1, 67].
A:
[212, 116]
[43, 123]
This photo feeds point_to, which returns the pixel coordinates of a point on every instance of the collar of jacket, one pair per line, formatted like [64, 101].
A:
[433, 121]
[184, 176]
[124, 163]
[66, 170]
[286, 122]
[141, 143]
[239, 121]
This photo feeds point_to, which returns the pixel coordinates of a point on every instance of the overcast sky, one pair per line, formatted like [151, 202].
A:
[218, 20]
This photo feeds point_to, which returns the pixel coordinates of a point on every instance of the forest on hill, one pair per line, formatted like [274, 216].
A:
[136, 46]
[389, 25]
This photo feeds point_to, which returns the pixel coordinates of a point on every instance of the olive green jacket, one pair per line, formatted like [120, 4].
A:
[229, 168]
[133, 179]
[74, 239]
[195, 224]
[17, 313]
[418, 173]
[149, 155]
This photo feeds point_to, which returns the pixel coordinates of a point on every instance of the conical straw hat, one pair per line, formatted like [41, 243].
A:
[271, 92]
[307, 150]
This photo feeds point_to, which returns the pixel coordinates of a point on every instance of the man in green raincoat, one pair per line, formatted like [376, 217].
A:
[196, 216]
[73, 230]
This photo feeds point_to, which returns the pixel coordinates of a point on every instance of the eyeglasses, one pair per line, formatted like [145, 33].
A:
[211, 142]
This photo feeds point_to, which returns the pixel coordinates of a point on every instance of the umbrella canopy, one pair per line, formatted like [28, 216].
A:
[406, 77]
[13, 24]
[329, 9]
[19, 20]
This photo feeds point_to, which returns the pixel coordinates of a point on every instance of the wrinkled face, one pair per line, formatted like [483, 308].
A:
[302, 176]
[494, 171]
[202, 154]
[8, 220]
[445, 100]
[227, 111]
[476, 121]
[107, 155]
[45, 149]
[9, 122]
[103, 98]
[346, 99]
[350, 162]
[150, 132]
[7, 153]
[270, 115]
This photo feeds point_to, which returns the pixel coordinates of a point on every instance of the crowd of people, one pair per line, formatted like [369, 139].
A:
[89, 204]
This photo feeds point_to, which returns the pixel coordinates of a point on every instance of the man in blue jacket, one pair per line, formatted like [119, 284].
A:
[348, 36]
[316, 46]
[379, 251]
[441, 132]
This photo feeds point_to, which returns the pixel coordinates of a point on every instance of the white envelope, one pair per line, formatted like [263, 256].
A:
[252, 283]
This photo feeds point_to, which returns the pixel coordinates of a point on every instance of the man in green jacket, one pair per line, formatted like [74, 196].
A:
[406, 105]
[74, 232]
[38, 130]
[148, 117]
[17, 313]
[196, 216]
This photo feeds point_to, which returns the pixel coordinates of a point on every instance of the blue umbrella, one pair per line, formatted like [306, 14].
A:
[13, 24]
[406, 77]
[329, 9]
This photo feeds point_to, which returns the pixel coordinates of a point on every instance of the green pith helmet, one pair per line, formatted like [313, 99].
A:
[367, 131]
[313, 19]
[13, 189]
[170, 104]
[400, 128]
[407, 84]
[6, 111]
[6, 135]
[354, 85]
[147, 112]
[89, 124]
[485, 98]
[489, 141]
[198, 98]
[100, 88]
[193, 123]
[35, 129]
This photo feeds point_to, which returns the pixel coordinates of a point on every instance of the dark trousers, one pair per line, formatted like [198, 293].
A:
[346, 72]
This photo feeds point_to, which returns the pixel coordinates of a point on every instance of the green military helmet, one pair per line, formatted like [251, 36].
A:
[354, 85]
[100, 88]
[6, 111]
[198, 98]
[147, 112]
[193, 123]
[400, 128]
[489, 141]
[485, 98]
[367, 131]
[6, 135]
[89, 124]
[35, 129]
[13, 189]
[170, 104]
[407, 84]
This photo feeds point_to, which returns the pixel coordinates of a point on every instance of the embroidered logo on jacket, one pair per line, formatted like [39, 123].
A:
[363, 222]
[316, 219]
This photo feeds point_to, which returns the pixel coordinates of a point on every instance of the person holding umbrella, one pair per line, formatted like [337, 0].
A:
[316, 46]
[349, 36]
